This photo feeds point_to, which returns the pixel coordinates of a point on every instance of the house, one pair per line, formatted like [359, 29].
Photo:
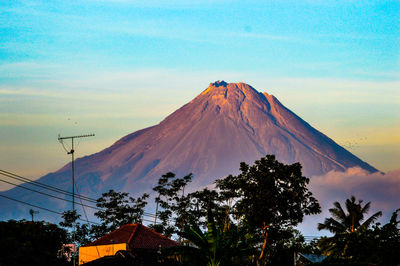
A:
[307, 259]
[129, 237]
[66, 251]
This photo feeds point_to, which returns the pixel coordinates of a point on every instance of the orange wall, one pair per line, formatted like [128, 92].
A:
[90, 253]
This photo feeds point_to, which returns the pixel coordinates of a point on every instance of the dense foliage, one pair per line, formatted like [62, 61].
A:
[118, 208]
[248, 219]
[31, 243]
[359, 240]
[171, 204]
[270, 196]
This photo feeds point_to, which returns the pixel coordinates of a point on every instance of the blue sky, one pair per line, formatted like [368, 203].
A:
[354, 39]
[113, 67]
[277, 36]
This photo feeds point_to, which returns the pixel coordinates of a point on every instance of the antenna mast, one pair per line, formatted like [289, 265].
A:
[72, 151]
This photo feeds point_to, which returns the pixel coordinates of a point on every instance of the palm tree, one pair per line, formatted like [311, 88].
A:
[350, 222]
[348, 228]
[215, 246]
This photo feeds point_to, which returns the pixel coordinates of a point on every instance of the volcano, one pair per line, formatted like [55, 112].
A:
[226, 124]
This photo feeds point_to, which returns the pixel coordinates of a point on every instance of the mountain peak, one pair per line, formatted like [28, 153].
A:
[223, 88]
[222, 84]
[227, 124]
[218, 84]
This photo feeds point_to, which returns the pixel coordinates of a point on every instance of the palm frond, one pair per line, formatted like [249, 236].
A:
[333, 226]
[393, 219]
[365, 209]
[370, 220]
[194, 236]
[338, 211]
[212, 233]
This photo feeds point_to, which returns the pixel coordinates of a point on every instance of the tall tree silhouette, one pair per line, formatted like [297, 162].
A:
[350, 229]
[171, 203]
[350, 221]
[270, 195]
[118, 208]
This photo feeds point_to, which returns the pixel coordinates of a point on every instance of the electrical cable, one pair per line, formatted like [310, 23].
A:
[56, 197]
[42, 208]
[49, 195]
[59, 213]
[57, 190]
[83, 206]
[36, 183]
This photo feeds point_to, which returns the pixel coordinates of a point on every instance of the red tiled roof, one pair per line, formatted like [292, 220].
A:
[136, 236]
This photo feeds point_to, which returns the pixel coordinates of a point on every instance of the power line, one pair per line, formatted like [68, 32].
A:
[52, 188]
[42, 208]
[55, 189]
[56, 212]
[39, 184]
[49, 195]
[83, 208]
[59, 198]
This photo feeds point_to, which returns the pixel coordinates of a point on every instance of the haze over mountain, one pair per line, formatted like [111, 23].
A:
[226, 124]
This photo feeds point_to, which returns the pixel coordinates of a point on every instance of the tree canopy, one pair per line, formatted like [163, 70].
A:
[118, 208]
[248, 219]
[269, 195]
[31, 243]
[351, 220]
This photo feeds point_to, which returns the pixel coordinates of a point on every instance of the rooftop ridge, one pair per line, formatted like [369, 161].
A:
[157, 233]
[133, 232]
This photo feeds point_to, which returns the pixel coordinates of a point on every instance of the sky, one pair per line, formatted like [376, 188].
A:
[112, 67]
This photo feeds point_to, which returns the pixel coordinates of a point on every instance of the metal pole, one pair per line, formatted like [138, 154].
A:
[73, 183]
[73, 175]
[73, 199]
[155, 216]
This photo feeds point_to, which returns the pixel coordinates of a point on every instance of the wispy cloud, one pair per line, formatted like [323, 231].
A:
[181, 85]
[382, 190]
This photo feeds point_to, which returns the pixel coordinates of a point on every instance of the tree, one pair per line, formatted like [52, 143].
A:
[287, 242]
[203, 200]
[172, 202]
[82, 232]
[31, 243]
[387, 239]
[269, 195]
[342, 222]
[215, 246]
[117, 209]
[352, 240]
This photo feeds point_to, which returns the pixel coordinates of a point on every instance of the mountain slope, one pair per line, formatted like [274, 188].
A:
[209, 137]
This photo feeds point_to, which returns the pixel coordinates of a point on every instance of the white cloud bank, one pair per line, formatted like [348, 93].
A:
[382, 190]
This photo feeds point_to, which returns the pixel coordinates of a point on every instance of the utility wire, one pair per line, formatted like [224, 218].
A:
[55, 189]
[83, 206]
[49, 195]
[87, 219]
[59, 198]
[56, 212]
[42, 208]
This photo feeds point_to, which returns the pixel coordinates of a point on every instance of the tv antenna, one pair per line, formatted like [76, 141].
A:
[72, 151]
[32, 213]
